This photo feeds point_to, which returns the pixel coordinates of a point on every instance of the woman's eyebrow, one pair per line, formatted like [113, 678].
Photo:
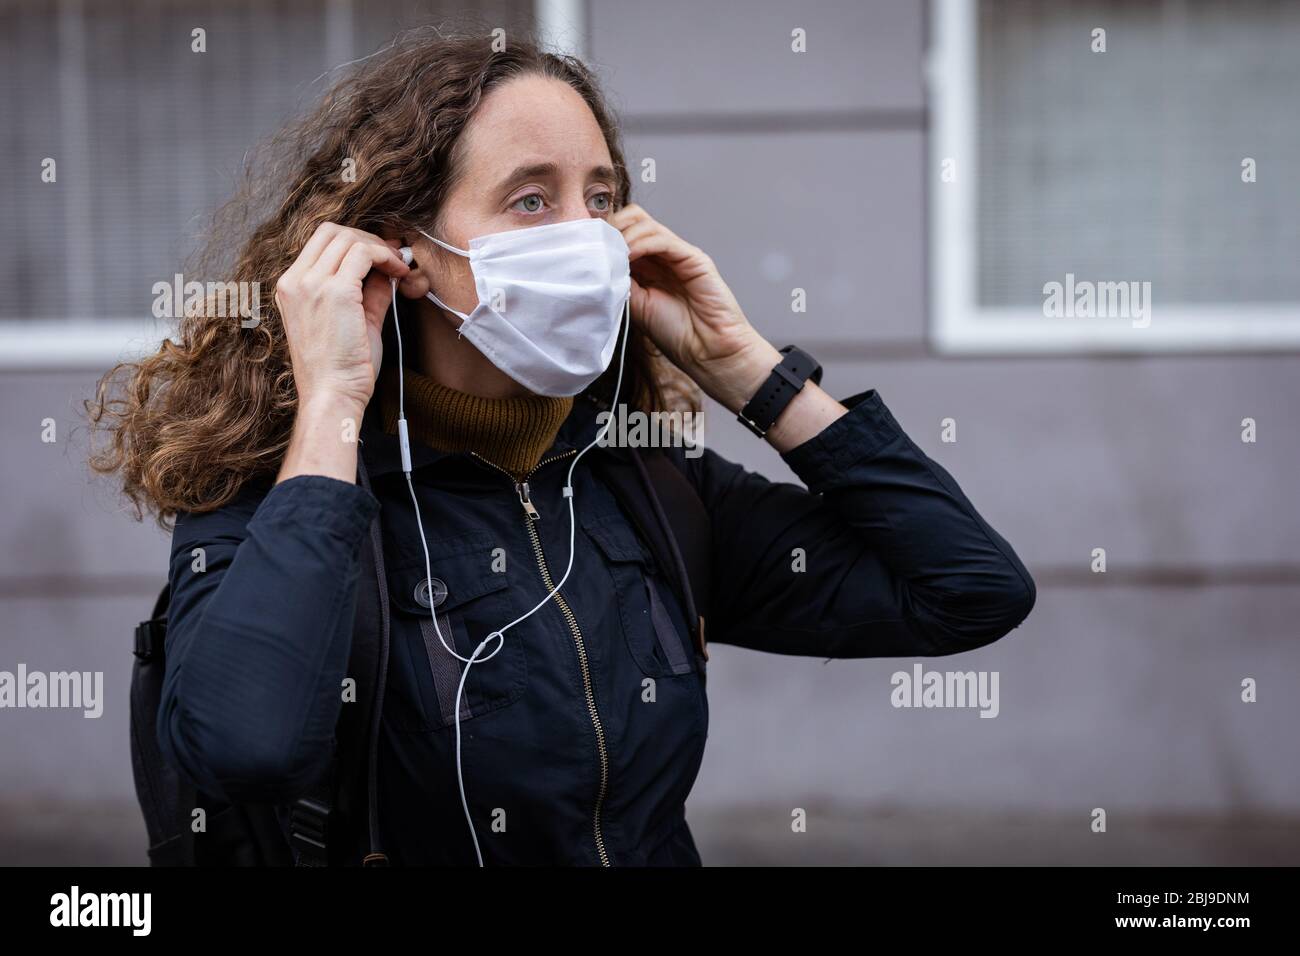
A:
[534, 170]
[529, 172]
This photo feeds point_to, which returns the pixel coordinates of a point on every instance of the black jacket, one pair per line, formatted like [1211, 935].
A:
[583, 736]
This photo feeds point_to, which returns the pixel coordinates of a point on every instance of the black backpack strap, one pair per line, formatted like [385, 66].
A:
[370, 646]
[338, 820]
[685, 515]
[672, 520]
[159, 789]
[309, 826]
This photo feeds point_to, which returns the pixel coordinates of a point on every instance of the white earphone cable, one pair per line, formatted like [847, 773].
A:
[474, 658]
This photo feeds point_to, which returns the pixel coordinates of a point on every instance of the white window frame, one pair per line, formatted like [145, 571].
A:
[960, 325]
[77, 343]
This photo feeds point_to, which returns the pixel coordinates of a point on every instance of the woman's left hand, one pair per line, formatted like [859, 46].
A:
[683, 305]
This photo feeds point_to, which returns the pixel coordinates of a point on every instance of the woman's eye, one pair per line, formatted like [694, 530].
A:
[531, 203]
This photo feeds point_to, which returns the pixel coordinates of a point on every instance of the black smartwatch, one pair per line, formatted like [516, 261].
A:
[796, 367]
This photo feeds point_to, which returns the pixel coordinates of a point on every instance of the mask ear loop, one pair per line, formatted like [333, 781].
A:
[445, 245]
[465, 319]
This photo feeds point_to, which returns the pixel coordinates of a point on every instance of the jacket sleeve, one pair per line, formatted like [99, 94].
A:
[259, 634]
[882, 555]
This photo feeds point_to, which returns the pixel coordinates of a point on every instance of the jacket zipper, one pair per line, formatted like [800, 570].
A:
[531, 515]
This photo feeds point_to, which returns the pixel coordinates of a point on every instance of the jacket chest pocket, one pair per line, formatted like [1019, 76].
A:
[470, 601]
[646, 602]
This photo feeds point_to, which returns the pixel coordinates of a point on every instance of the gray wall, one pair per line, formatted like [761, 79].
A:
[1120, 691]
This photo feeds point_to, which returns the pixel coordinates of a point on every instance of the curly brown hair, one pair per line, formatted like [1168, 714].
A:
[189, 425]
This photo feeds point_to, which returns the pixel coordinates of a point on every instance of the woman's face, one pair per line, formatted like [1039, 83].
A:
[532, 155]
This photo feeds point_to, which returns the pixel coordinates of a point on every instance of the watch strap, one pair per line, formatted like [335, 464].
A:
[782, 385]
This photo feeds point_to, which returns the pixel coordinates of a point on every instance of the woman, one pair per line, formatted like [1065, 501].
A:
[544, 690]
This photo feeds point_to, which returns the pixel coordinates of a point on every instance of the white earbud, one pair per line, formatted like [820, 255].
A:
[407, 255]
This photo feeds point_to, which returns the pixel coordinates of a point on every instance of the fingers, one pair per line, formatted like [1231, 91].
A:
[628, 215]
[361, 256]
[332, 256]
[663, 244]
[376, 297]
[646, 236]
[634, 221]
[331, 243]
[316, 245]
[638, 230]
[646, 244]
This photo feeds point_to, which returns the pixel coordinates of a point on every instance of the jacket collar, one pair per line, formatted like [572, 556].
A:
[381, 452]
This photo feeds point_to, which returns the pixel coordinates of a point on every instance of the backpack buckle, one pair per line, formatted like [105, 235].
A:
[308, 828]
[149, 636]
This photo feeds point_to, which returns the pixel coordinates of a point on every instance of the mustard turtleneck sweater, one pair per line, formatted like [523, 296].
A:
[512, 433]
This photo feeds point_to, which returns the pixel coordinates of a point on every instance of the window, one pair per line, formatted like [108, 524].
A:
[1138, 199]
[147, 138]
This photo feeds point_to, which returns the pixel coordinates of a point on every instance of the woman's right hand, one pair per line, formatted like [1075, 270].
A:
[332, 302]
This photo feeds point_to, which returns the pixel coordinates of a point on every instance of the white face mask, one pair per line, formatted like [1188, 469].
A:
[550, 301]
